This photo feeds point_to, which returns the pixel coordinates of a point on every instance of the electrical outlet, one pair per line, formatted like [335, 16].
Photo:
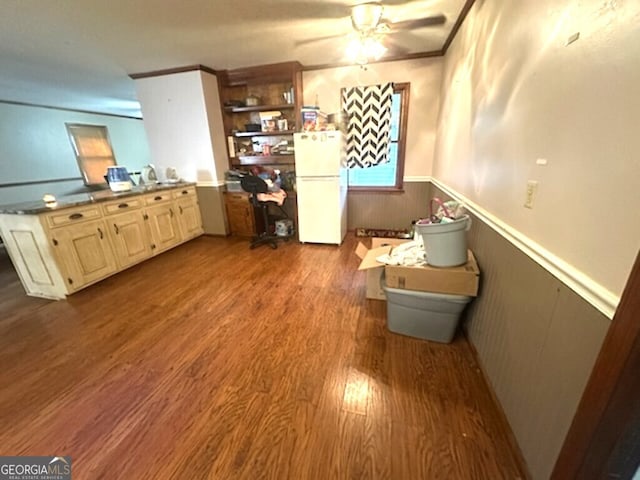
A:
[532, 188]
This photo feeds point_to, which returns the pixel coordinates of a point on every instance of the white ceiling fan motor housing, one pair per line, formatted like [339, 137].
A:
[366, 16]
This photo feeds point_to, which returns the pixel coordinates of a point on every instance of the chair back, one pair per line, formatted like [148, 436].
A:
[254, 185]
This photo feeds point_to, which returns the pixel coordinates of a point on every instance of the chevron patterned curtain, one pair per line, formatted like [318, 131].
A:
[369, 112]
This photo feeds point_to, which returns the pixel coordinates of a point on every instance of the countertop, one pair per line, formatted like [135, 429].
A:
[38, 206]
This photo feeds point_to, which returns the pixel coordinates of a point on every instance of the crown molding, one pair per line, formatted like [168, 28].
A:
[171, 71]
[396, 58]
[454, 31]
[65, 109]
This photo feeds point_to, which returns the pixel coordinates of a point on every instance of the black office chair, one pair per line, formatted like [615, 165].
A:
[255, 185]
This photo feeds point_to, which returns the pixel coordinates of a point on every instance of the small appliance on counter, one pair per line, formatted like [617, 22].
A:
[118, 178]
[172, 175]
[148, 175]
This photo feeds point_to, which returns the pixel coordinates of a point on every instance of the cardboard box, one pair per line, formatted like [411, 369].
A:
[461, 280]
[374, 272]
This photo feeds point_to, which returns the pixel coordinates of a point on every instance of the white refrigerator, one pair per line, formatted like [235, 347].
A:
[321, 186]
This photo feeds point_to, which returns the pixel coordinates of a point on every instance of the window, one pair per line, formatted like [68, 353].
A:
[387, 176]
[93, 151]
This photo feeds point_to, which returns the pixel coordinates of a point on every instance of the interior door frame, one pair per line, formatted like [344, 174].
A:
[603, 437]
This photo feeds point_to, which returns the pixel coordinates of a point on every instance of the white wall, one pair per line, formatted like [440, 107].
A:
[514, 92]
[215, 121]
[424, 75]
[177, 124]
[34, 145]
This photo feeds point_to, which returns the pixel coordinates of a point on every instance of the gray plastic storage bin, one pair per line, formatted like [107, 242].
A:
[431, 316]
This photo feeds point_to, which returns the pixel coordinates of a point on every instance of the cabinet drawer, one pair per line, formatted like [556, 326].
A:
[184, 192]
[157, 197]
[236, 198]
[73, 215]
[121, 206]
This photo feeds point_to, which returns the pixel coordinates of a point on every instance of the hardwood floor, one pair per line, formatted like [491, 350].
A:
[213, 361]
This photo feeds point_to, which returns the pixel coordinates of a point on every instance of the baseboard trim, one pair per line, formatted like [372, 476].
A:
[511, 437]
[591, 291]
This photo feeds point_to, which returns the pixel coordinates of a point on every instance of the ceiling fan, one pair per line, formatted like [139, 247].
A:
[367, 18]
[369, 28]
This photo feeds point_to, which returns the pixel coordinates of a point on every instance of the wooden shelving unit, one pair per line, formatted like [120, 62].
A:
[268, 83]
[277, 133]
[259, 108]
[248, 160]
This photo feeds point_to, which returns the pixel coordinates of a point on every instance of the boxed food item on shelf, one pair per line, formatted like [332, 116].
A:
[268, 120]
[313, 119]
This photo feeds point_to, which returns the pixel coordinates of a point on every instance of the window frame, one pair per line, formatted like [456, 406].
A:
[75, 133]
[404, 90]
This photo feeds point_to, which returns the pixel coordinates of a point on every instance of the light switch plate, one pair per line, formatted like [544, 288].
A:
[532, 188]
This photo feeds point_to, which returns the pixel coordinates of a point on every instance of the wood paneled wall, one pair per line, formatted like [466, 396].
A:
[388, 210]
[536, 340]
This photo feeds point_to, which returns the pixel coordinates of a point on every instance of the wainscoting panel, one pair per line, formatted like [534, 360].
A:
[537, 342]
[211, 201]
[388, 210]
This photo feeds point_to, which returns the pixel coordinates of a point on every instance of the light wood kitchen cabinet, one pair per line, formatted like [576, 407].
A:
[130, 242]
[127, 230]
[84, 252]
[27, 242]
[189, 219]
[61, 249]
[163, 226]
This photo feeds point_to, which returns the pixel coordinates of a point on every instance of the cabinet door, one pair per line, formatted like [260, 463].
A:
[240, 214]
[189, 217]
[163, 226]
[84, 252]
[32, 253]
[129, 237]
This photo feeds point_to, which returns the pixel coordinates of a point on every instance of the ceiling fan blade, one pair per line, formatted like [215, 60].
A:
[313, 9]
[307, 41]
[416, 23]
[394, 49]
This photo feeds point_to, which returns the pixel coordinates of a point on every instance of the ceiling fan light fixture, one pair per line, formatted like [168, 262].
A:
[366, 16]
[373, 48]
[353, 49]
[363, 49]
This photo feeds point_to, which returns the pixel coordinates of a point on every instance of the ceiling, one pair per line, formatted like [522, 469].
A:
[79, 54]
